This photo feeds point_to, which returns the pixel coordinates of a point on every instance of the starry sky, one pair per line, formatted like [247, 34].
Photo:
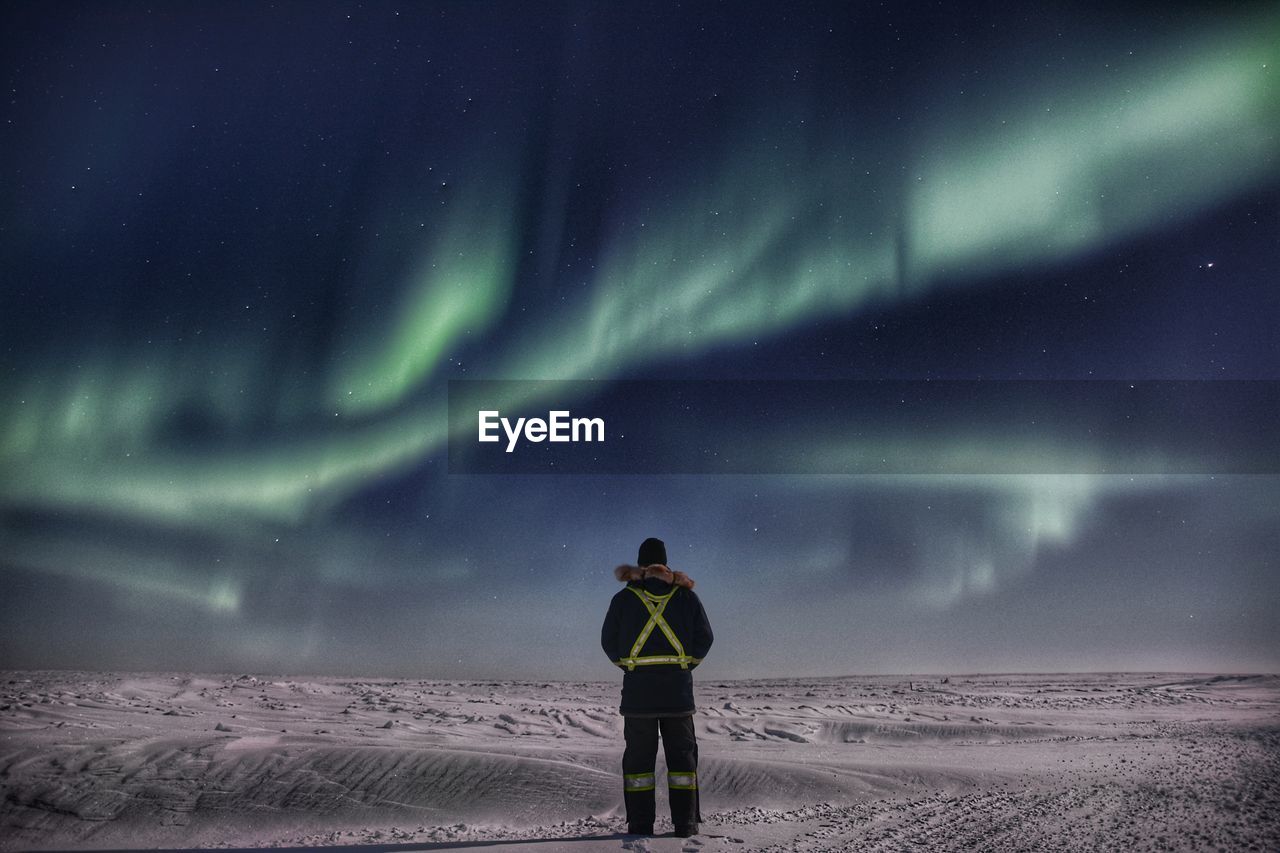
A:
[248, 247]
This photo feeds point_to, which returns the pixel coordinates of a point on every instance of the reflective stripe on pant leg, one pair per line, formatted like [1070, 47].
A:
[681, 742]
[638, 782]
[638, 760]
[682, 781]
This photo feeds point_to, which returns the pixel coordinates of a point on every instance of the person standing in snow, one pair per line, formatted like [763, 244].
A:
[657, 632]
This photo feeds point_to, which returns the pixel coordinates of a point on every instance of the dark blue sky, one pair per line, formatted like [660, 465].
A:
[246, 246]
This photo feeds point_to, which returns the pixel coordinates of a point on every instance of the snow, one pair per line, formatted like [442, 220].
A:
[1067, 762]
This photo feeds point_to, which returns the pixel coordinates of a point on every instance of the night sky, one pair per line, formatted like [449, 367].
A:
[244, 248]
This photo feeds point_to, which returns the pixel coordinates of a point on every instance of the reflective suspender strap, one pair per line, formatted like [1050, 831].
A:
[649, 660]
[638, 782]
[655, 604]
[655, 608]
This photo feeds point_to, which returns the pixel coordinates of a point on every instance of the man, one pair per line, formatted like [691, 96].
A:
[657, 632]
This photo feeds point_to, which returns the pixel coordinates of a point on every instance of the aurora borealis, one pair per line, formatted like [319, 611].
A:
[246, 248]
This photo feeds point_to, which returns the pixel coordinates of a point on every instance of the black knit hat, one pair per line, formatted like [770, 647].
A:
[652, 551]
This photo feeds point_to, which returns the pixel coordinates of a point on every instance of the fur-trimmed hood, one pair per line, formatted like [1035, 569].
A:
[662, 573]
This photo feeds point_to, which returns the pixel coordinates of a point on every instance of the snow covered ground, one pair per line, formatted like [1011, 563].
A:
[1060, 762]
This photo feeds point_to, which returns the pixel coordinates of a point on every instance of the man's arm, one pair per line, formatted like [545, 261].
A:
[609, 631]
[700, 644]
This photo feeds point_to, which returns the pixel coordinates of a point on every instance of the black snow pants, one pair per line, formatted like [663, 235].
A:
[639, 763]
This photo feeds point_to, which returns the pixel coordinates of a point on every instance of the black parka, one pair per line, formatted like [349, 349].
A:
[662, 690]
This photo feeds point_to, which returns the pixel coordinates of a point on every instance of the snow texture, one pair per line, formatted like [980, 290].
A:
[1061, 762]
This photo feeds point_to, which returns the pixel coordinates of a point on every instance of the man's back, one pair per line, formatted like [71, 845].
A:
[661, 689]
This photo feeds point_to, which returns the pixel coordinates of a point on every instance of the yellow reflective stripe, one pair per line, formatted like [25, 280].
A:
[655, 604]
[647, 660]
[655, 615]
[682, 781]
[638, 782]
[671, 635]
[644, 635]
